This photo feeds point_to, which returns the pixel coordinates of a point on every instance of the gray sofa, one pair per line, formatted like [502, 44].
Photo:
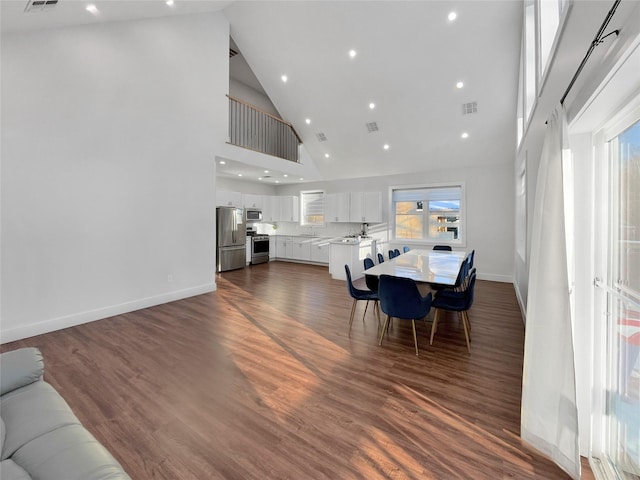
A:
[40, 437]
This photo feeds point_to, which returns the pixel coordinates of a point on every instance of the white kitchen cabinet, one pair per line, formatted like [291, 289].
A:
[283, 246]
[272, 247]
[301, 249]
[253, 201]
[337, 207]
[289, 208]
[225, 198]
[320, 250]
[270, 209]
[365, 207]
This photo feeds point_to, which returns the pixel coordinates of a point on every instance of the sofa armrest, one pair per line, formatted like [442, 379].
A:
[19, 368]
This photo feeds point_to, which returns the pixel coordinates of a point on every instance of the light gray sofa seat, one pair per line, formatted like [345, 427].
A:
[40, 437]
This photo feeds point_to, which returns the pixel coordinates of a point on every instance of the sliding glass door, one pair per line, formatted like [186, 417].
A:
[618, 288]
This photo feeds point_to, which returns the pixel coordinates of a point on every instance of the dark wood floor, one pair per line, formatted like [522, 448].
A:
[260, 380]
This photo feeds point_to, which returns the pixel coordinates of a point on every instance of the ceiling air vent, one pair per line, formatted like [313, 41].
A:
[40, 5]
[321, 137]
[471, 107]
[372, 127]
[232, 53]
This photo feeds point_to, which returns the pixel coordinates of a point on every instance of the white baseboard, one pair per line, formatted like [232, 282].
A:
[523, 310]
[53, 324]
[495, 278]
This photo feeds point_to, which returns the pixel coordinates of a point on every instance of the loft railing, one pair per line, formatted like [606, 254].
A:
[251, 128]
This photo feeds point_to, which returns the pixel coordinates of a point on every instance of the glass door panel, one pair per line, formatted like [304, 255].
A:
[622, 443]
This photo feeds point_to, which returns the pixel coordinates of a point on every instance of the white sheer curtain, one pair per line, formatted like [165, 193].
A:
[549, 417]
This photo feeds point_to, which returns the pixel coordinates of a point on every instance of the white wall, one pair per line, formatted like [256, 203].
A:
[109, 133]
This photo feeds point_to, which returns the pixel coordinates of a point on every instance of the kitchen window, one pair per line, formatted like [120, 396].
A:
[312, 208]
[430, 214]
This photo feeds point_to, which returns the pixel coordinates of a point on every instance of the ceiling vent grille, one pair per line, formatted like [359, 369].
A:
[372, 127]
[232, 53]
[40, 5]
[321, 137]
[471, 107]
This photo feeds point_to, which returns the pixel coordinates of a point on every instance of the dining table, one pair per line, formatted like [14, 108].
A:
[422, 266]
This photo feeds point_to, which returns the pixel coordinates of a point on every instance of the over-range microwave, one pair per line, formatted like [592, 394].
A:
[253, 215]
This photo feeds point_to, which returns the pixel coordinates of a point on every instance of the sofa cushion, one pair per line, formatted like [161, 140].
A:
[19, 368]
[69, 453]
[11, 471]
[30, 412]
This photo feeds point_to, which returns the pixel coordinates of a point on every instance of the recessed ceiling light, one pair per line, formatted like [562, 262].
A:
[92, 8]
[301, 178]
[386, 146]
[266, 171]
[222, 162]
[170, 3]
[284, 78]
[277, 181]
[239, 174]
[285, 175]
[459, 85]
[372, 105]
[452, 16]
[326, 155]
[465, 135]
[259, 178]
[352, 53]
[308, 121]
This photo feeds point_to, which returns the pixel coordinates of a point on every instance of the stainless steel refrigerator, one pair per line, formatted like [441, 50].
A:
[231, 234]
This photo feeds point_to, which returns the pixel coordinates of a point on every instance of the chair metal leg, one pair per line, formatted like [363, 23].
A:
[376, 310]
[434, 325]
[353, 310]
[384, 328]
[415, 337]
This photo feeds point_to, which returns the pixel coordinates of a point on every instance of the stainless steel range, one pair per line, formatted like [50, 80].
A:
[259, 249]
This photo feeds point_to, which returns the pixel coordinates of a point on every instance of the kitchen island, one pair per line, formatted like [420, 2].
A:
[352, 252]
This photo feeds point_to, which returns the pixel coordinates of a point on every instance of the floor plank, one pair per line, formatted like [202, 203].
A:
[260, 380]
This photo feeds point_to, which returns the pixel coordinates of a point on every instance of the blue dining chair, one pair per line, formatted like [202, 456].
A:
[372, 284]
[460, 279]
[455, 302]
[396, 252]
[446, 248]
[405, 249]
[400, 298]
[380, 258]
[392, 254]
[358, 294]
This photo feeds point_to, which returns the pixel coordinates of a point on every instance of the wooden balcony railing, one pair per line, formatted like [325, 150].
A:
[251, 128]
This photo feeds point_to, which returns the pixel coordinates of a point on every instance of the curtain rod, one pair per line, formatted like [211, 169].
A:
[599, 38]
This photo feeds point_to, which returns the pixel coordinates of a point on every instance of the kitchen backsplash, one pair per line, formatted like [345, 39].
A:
[330, 230]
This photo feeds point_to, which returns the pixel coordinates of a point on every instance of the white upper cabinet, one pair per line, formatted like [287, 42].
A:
[253, 201]
[365, 207]
[337, 207]
[270, 209]
[289, 209]
[225, 198]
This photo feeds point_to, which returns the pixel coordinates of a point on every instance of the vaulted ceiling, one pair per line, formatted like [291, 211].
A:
[409, 57]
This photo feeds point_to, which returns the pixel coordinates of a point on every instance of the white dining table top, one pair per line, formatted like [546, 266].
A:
[428, 266]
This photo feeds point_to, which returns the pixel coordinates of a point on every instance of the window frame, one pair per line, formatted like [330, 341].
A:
[303, 214]
[460, 242]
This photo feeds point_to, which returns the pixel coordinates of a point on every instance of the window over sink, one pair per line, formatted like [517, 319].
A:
[312, 208]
